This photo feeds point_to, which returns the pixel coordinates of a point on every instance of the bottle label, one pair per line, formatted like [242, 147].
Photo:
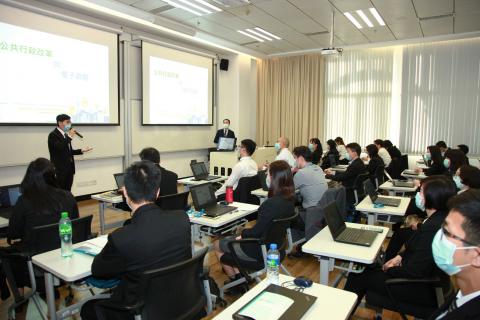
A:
[65, 229]
[273, 261]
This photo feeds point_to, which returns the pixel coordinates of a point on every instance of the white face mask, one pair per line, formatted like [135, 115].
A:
[225, 126]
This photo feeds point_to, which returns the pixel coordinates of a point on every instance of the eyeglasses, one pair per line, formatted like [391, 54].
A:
[450, 235]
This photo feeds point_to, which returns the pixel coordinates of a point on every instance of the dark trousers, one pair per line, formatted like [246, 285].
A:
[399, 238]
[88, 312]
[65, 180]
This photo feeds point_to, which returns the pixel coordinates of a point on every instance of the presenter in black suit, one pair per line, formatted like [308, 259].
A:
[61, 151]
[225, 132]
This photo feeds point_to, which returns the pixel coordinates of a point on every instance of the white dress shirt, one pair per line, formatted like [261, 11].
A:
[287, 156]
[383, 153]
[246, 167]
[342, 151]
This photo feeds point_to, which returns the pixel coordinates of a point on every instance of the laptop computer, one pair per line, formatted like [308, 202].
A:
[226, 144]
[262, 176]
[334, 164]
[400, 183]
[341, 233]
[425, 160]
[376, 199]
[410, 172]
[203, 197]
[200, 172]
[8, 198]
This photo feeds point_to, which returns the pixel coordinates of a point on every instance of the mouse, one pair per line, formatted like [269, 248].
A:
[303, 282]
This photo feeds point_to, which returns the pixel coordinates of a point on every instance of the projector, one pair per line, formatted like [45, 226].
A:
[331, 51]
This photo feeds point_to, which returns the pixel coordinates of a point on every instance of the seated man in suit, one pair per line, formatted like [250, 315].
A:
[245, 167]
[168, 184]
[225, 132]
[348, 177]
[456, 250]
[154, 239]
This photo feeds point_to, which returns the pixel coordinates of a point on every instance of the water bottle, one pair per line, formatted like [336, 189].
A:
[65, 231]
[229, 194]
[273, 263]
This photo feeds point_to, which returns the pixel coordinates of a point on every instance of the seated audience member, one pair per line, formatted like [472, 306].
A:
[382, 152]
[332, 150]
[315, 147]
[245, 167]
[348, 177]
[456, 250]
[416, 261]
[438, 193]
[436, 162]
[454, 159]
[168, 184]
[154, 239]
[309, 179]
[467, 177]
[41, 203]
[443, 147]
[375, 161]
[342, 150]
[279, 204]
[392, 150]
[465, 150]
[284, 154]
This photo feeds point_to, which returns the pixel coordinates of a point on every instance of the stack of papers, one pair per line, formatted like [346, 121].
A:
[92, 247]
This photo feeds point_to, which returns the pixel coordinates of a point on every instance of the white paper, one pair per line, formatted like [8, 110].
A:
[267, 306]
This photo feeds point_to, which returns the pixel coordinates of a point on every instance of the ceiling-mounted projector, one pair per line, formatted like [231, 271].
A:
[331, 51]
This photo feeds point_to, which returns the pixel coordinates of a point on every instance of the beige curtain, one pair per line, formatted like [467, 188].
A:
[290, 95]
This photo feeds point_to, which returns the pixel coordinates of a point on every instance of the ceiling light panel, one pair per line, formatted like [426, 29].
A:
[360, 18]
[259, 34]
[353, 20]
[377, 16]
[251, 36]
[197, 7]
[365, 18]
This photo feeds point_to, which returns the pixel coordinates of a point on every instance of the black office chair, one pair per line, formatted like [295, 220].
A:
[379, 176]
[42, 239]
[174, 292]
[243, 192]
[178, 201]
[251, 268]
[358, 189]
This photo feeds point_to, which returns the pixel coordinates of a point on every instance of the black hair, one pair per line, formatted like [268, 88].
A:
[387, 144]
[62, 117]
[441, 144]
[150, 154]
[281, 180]
[318, 143]
[435, 154]
[249, 145]
[142, 181]
[470, 176]
[354, 147]
[457, 159]
[379, 142]
[227, 120]
[372, 151]
[37, 184]
[468, 205]
[437, 190]
[339, 140]
[464, 148]
[331, 145]
[304, 152]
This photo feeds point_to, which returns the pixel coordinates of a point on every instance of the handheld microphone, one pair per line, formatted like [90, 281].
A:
[78, 134]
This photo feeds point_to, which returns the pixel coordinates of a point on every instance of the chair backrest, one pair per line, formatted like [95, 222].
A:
[46, 238]
[379, 175]
[358, 185]
[243, 192]
[174, 292]
[178, 201]
[404, 162]
[276, 232]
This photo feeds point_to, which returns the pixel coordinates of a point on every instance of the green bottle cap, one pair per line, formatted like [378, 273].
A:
[65, 214]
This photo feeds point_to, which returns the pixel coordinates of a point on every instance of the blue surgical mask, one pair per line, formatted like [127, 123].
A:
[443, 250]
[458, 182]
[310, 146]
[347, 156]
[419, 202]
[277, 146]
[446, 163]
[67, 127]
[428, 156]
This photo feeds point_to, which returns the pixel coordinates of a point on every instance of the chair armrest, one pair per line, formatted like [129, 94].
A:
[133, 309]
[402, 281]
[236, 259]
[10, 252]
[204, 273]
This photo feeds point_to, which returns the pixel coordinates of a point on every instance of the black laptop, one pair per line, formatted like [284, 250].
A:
[262, 175]
[341, 233]
[376, 199]
[400, 183]
[203, 197]
[8, 198]
[200, 172]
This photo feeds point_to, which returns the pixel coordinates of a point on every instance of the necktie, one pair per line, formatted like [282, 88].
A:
[225, 132]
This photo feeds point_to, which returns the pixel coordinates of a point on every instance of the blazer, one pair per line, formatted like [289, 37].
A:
[61, 152]
[394, 152]
[25, 215]
[154, 239]
[317, 156]
[168, 182]
[373, 164]
[326, 159]
[467, 311]
[348, 177]
[221, 134]
[435, 168]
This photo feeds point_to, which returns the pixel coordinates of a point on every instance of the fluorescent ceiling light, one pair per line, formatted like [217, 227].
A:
[267, 33]
[365, 18]
[211, 6]
[353, 20]
[259, 34]
[195, 6]
[377, 16]
[180, 6]
[251, 36]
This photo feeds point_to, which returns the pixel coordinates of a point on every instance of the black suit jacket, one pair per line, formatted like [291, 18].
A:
[348, 177]
[61, 152]
[221, 134]
[435, 168]
[168, 184]
[154, 239]
[373, 164]
[468, 311]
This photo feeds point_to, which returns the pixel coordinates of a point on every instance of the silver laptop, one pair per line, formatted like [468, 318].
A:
[203, 197]
[376, 199]
[341, 233]
[400, 183]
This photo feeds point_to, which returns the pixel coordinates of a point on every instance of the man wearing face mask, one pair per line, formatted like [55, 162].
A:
[225, 132]
[456, 250]
[61, 151]
[281, 146]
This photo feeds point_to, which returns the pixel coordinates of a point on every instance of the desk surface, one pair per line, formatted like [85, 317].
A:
[331, 303]
[76, 267]
[109, 199]
[388, 185]
[3, 222]
[367, 206]
[191, 182]
[263, 194]
[244, 209]
[322, 244]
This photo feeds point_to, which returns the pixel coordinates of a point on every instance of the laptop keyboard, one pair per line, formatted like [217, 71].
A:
[389, 201]
[350, 235]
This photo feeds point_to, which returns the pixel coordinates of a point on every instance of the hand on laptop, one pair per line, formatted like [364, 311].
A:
[329, 171]
[394, 262]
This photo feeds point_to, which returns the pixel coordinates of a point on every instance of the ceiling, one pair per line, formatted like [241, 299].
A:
[305, 24]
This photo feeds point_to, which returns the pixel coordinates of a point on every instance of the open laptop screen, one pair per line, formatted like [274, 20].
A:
[226, 144]
[119, 179]
[334, 219]
[199, 169]
[9, 195]
[202, 195]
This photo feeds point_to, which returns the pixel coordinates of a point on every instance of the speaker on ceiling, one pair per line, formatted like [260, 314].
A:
[224, 64]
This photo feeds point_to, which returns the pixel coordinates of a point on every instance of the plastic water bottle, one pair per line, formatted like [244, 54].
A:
[65, 231]
[273, 263]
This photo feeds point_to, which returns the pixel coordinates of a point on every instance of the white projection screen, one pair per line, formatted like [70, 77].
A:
[177, 87]
[51, 67]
